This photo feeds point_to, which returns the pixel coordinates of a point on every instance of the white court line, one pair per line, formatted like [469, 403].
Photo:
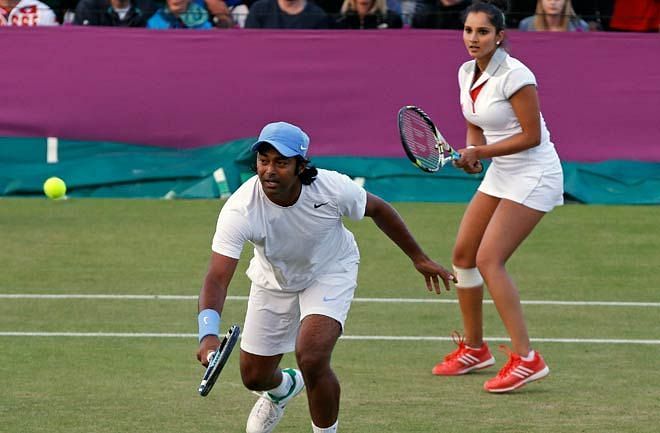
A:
[344, 337]
[101, 296]
[374, 300]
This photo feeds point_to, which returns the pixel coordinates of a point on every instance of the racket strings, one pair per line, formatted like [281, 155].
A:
[420, 139]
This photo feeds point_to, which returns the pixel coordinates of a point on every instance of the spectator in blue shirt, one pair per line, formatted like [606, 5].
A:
[181, 14]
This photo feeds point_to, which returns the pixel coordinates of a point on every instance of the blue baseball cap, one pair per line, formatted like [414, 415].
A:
[288, 139]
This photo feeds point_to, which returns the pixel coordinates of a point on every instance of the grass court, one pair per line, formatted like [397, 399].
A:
[120, 358]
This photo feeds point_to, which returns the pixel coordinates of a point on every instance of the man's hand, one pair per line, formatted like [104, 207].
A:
[220, 13]
[433, 273]
[210, 343]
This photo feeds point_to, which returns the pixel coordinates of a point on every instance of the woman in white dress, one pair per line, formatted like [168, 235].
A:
[500, 103]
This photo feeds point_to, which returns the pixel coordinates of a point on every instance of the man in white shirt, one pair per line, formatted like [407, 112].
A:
[26, 13]
[303, 273]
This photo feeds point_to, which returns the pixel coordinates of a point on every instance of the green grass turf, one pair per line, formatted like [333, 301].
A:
[107, 384]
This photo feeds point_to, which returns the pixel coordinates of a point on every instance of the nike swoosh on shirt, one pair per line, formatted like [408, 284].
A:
[318, 205]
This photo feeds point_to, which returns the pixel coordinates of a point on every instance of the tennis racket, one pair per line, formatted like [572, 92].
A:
[218, 359]
[424, 144]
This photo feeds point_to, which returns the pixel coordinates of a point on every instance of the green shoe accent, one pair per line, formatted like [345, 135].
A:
[291, 373]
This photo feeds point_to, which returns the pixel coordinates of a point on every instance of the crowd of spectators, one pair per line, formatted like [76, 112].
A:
[526, 15]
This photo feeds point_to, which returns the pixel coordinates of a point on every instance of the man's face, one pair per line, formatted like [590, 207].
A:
[177, 7]
[278, 176]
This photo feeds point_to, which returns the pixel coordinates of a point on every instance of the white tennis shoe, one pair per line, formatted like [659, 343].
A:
[268, 410]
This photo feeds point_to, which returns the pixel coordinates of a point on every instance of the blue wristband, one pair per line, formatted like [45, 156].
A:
[209, 323]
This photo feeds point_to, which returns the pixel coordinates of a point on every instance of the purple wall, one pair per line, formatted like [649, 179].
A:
[600, 92]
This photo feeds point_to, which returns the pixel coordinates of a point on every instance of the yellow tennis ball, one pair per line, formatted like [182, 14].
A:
[54, 188]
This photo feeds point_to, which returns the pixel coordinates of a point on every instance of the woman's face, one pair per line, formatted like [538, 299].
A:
[480, 36]
[363, 6]
[553, 7]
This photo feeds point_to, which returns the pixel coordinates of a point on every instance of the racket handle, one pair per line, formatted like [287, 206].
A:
[209, 356]
[455, 155]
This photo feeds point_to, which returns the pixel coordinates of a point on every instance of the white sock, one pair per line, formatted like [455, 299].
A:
[283, 388]
[529, 357]
[331, 429]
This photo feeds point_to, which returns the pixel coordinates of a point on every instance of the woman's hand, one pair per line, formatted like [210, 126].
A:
[469, 161]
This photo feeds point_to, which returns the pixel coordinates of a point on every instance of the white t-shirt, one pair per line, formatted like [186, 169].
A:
[493, 113]
[294, 245]
[121, 12]
[29, 13]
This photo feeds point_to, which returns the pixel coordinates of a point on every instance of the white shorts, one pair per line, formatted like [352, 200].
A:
[273, 316]
[539, 189]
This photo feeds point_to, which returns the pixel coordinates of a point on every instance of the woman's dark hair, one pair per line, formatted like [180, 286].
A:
[307, 176]
[495, 10]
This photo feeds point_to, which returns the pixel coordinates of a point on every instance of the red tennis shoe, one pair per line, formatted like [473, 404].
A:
[517, 372]
[464, 359]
